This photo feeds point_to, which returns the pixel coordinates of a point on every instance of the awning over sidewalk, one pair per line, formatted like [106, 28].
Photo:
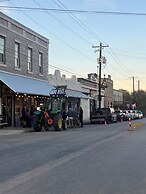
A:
[76, 94]
[25, 85]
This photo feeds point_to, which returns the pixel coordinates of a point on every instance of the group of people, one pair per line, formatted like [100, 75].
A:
[74, 118]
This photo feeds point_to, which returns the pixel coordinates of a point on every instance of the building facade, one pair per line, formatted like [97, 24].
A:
[23, 69]
[110, 97]
[76, 95]
[118, 99]
[108, 94]
[22, 51]
[90, 85]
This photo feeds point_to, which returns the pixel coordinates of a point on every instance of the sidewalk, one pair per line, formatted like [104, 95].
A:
[12, 130]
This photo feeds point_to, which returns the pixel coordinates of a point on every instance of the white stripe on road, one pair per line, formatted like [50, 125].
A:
[26, 177]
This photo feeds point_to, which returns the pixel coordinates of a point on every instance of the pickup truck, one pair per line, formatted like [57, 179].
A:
[103, 115]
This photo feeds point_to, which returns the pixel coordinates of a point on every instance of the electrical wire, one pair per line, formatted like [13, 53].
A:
[79, 22]
[91, 32]
[64, 24]
[71, 46]
[73, 10]
[58, 38]
[24, 59]
[64, 70]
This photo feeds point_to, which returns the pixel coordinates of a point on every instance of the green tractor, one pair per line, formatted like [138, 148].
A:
[54, 115]
[58, 99]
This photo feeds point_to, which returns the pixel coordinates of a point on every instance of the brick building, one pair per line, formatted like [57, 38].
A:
[23, 69]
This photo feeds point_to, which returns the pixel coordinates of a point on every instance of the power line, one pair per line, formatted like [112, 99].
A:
[118, 61]
[58, 38]
[64, 70]
[4, 0]
[79, 22]
[131, 56]
[24, 59]
[64, 24]
[92, 33]
[74, 10]
[89, 31]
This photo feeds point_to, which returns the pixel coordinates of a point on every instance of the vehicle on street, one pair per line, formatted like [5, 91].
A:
[52, 115]
[132, 114]
[103, 115]
[126, 115]
[135, 114]
[120, 115]
[140, 114]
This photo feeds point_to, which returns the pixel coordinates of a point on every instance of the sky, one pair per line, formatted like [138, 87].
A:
[72, 34]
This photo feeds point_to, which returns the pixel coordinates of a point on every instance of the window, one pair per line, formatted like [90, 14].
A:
[29, 59]
[2, 49]
[17, 55]
[40, 63]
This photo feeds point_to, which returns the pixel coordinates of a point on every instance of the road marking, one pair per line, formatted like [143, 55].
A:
[27, 176]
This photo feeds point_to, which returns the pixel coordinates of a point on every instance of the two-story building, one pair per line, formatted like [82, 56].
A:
[76, 95]
[23, 69]
[110, 96]
[118, 99]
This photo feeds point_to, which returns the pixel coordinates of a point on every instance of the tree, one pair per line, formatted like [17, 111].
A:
[127, 98]
[140, 100]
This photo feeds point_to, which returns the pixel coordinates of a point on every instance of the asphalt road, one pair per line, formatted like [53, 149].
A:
[95, 159]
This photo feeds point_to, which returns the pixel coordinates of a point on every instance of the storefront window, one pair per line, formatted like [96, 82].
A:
[2, 49]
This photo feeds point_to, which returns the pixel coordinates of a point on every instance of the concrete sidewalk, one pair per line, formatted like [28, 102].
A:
[13, 130]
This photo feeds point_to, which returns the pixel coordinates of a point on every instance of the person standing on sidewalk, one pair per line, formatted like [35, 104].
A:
[25, 116]
[32, 117]
[64, 121]
[81, 116]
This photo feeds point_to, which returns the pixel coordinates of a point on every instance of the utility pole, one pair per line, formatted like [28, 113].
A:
[138, 93]
[133, 90]
[100, 64]
[133, 84]
[138, 85]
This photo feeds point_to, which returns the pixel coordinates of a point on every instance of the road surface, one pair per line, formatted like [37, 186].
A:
[95, 159]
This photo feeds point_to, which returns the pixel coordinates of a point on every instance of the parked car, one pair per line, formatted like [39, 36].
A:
[140, 114]
[126, 115]
[135, 114]
[132, 114]
[120, 115]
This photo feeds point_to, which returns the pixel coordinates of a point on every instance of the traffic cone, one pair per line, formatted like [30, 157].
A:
[130, 126]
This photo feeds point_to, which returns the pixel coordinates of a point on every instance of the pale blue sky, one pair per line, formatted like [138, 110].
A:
[71, 45]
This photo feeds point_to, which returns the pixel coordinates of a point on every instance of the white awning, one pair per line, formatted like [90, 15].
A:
[75, 94]
[25, 85]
